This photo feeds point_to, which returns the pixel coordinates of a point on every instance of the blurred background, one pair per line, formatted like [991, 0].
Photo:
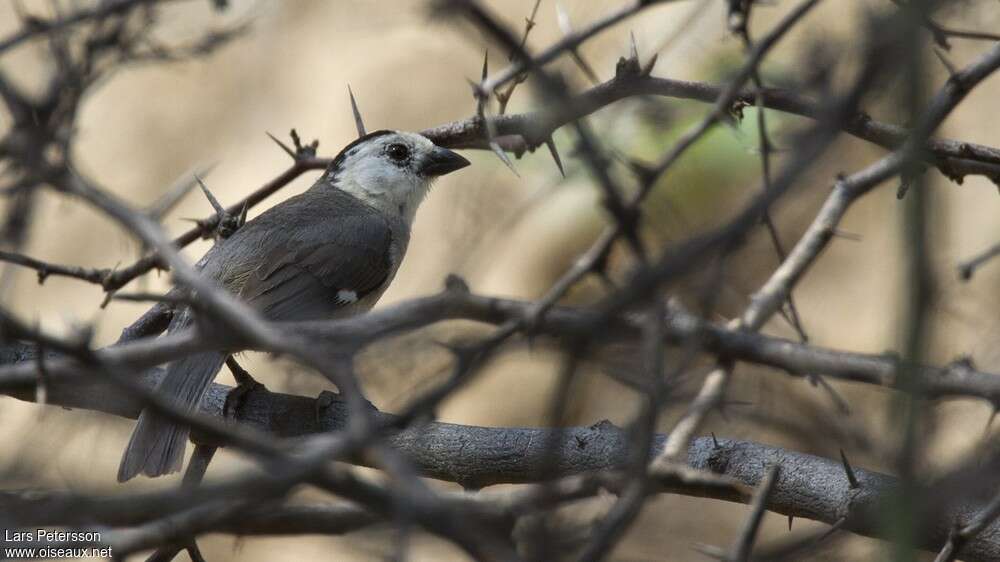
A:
[513, 235]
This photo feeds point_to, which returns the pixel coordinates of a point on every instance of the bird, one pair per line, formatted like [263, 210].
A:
[327, 253]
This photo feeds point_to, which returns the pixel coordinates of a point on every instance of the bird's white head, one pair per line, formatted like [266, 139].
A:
[391, 170]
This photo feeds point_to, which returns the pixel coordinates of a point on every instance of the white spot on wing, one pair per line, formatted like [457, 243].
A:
[346, 296]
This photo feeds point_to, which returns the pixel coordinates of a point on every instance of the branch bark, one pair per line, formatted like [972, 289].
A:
[954, 157]
[18, 374]
[808, 486]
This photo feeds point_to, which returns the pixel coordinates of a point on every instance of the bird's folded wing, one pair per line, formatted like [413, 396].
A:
[315, 275]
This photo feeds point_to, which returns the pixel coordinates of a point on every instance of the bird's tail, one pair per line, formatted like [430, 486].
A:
[157, 445]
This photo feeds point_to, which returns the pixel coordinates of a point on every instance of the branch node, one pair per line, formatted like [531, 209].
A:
[300, 152]
[605, 425]
[225, 224]
[455, 283]
[627, 68]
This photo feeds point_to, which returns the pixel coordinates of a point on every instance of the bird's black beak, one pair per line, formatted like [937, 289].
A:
[442, 161]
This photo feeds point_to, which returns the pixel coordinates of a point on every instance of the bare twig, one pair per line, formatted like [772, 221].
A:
[967, 268]
[961, 535]
[744, 545]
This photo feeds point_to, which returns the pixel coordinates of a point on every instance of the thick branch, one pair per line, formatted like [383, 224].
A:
[808, 486]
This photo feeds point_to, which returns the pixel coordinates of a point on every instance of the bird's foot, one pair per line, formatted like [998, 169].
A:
[325, 399]
[328, 398]
[245, 384]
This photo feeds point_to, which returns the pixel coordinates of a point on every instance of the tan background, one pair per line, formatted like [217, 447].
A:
[507, 235]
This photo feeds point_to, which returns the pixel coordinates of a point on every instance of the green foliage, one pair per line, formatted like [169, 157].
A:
[702, 185]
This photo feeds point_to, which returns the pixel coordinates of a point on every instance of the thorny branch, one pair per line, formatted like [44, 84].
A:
[573, 464]
[811, 487]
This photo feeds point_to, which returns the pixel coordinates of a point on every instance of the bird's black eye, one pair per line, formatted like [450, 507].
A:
[398, 152]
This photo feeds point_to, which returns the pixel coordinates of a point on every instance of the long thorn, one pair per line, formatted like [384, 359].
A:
[357, 114]
[585, 67]
[176, 193]
[852, 479]
[283, 146]
[243, 214]
[503, 157]
[219, 209]
[562, 18]
[555, 155]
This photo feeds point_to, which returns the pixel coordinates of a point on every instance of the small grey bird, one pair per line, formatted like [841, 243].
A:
[329, 252]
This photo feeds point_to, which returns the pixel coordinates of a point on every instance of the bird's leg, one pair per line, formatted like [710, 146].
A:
[196, 469]
[245, 384]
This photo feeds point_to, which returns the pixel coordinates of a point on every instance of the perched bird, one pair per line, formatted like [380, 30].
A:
[327, 253]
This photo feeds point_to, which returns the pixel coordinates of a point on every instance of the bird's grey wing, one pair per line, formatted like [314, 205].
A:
[316, 276]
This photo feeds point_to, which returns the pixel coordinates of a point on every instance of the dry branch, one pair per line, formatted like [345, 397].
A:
[574, 462]
[808, 486]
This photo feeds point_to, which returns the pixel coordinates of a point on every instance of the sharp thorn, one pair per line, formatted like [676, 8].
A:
[174, 194]
[503, 157]
[357, 114]
[555, 155]
[563, 19]
[715, 441]
[634, 48]
[647, 69]
[952, 71]
[709, 551]
[989, 422]
[219, 209]
[790, 519]
[530, 22]
[477, 91]
[296, 140]
[846, 235]
[486, 65]
[585, 67]
[852, 479]
[843, 407]
[283, 146]
[206, 170]
[22, 14]
[243, 214]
